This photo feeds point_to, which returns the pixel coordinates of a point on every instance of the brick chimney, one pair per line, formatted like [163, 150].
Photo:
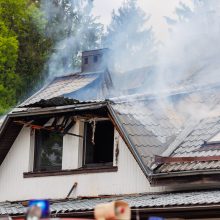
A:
[94, 60]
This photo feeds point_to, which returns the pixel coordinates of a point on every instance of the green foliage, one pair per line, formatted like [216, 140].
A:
[8, 59]
[30, 32]
[23, 50]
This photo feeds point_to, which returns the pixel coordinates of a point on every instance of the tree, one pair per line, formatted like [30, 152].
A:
[25, 22]
[9, 81]
[72, 28]
[183, 13]
[133, 44]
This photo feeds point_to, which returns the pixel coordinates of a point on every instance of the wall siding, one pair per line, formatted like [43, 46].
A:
[128, 179]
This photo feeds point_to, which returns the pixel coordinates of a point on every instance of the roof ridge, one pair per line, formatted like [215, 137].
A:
[164, 94]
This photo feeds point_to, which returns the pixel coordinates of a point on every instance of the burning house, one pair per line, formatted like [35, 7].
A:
[75, 144]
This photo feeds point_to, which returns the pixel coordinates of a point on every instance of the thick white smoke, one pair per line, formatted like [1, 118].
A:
[190, 58]
[188, 61]
[130, 38]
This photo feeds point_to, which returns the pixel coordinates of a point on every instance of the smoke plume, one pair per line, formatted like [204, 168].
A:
[186, 76]
[72, 29]
[190, 58]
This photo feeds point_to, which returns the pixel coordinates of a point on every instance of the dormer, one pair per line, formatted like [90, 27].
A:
[94, 60]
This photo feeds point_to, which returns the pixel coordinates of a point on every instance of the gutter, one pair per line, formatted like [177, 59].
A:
[171, 211]
[186, 173]
[178, 208]
[174, 211]
[190, 178]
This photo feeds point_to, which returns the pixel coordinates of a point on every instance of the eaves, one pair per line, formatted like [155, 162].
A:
[208, 176]
[211, 176]
[8, 136]
[147, 171]
[58, 109]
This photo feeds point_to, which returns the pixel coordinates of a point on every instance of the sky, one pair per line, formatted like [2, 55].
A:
[156, 8]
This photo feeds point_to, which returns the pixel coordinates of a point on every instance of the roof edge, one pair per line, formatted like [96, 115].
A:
[58, 109]
[210, 176]
[146, 170]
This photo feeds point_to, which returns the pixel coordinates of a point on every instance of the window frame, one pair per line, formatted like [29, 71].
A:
[36, 152]
[91, 165]
[81, 169]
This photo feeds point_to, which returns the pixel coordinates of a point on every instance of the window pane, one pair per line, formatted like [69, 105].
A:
[101, 151]
[95, 59]
[48, 151]
[86, 60]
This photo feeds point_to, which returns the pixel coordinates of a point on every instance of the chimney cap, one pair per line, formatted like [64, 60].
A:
[94, 52]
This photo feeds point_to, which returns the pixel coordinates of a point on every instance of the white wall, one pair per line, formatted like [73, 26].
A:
[128, 179]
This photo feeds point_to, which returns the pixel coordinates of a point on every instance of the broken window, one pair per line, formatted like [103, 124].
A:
[48, 151]
[98, 143]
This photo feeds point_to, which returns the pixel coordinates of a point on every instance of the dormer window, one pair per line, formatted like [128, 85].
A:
[86, 60]
[98, 143]
[48, 151]
[95, 59]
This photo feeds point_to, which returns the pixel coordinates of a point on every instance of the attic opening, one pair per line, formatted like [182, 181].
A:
[98, 143]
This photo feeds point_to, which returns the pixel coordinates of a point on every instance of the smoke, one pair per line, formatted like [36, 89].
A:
[185, 86]
[130, 38]
[72, 29]
[188, 62]
[190, 58]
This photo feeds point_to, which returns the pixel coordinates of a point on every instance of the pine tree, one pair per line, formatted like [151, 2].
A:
[133, 44]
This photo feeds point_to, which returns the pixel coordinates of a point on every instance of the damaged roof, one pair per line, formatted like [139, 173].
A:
[194, 145]
[87, 86]
[178, 125]
[151, 201]
[149, 132]
[173, 125]
[62, 90]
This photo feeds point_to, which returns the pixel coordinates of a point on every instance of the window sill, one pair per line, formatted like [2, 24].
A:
[103, 169]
